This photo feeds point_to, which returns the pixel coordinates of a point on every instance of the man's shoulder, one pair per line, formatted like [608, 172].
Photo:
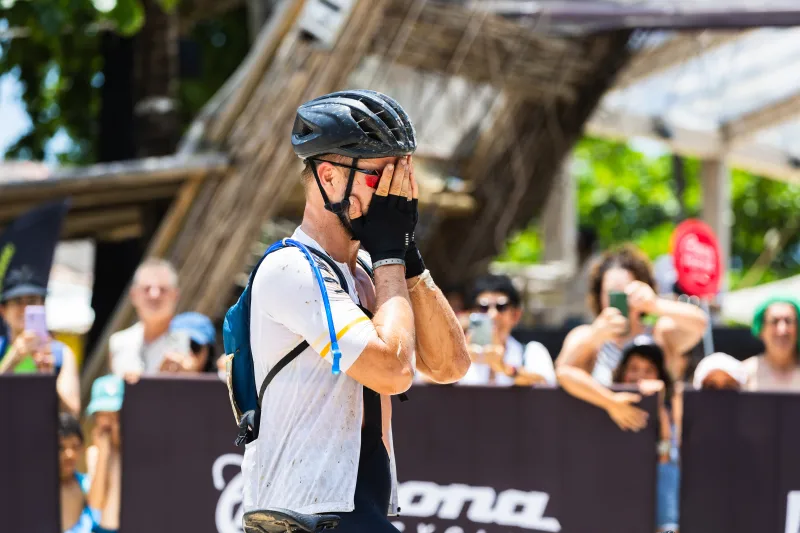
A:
[127, 335]
[286, 274]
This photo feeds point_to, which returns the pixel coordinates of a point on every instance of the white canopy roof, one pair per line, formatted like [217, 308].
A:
[729, 95]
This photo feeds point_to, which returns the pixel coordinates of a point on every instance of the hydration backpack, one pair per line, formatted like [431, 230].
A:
[244, 393]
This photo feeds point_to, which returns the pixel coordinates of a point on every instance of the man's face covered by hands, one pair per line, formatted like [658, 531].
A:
[370, 173]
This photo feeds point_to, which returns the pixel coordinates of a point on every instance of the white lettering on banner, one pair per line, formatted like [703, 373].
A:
[698, 256]
[793, 512]
[508, 508]
[228, 516]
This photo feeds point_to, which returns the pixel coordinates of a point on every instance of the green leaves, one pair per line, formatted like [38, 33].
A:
[128, 16]
[626, 195]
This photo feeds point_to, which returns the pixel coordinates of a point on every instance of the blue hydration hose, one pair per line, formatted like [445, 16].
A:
[337, 354]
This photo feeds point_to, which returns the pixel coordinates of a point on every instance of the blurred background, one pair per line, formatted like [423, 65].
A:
[550, 132]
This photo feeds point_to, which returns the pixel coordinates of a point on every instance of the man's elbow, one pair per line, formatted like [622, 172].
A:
[460, 363]
[398, 383]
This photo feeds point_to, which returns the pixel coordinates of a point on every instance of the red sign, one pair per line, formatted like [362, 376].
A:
[697, 258]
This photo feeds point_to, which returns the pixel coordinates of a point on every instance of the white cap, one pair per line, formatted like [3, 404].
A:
[719, 361]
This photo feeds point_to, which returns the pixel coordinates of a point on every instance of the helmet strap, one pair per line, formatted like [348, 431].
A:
[341, 207]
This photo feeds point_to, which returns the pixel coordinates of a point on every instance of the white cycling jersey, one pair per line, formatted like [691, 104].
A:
[307, 452]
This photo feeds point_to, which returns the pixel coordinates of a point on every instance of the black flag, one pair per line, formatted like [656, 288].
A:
[28, 244]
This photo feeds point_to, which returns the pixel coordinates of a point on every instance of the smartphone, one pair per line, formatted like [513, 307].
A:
[180, 342]
[481, 328]
[36, 321]
[619, 300]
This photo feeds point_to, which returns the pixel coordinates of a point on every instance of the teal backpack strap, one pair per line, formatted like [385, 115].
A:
[249, 422]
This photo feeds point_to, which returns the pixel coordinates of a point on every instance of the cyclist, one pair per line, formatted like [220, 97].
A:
[325, 443]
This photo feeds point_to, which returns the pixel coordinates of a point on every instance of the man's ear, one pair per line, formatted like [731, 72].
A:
[326, 173]
[3, 312]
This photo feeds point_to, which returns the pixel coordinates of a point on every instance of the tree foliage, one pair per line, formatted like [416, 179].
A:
[57, 58]
[627, 195]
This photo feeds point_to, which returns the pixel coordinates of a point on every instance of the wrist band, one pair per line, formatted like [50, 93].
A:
[390, 261]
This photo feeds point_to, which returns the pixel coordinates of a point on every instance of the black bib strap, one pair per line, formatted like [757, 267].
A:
[288, 358]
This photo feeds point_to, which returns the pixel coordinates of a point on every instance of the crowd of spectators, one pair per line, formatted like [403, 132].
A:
[624, 351]
[161, 341]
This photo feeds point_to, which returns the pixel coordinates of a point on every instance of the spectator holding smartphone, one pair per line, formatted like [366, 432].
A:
[28, 348]
[591, 353]
[498, 358]
[103, 458]
[150, 346]
[201, 334]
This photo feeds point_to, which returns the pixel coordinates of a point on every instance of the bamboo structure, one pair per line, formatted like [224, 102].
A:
[544, 85]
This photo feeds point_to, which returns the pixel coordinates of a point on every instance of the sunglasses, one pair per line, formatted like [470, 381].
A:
[372, 176]
[500, 305]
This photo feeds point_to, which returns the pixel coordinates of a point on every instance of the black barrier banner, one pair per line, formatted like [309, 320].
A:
[741, 463]
[498, 460]
[469, 460]
[29, 487]
[180, 468]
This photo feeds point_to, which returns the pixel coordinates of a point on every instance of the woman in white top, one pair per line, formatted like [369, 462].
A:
[591, 353]
[775, 323]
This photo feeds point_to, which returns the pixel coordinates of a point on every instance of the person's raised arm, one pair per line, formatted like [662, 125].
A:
[442, 353]
[68, 383]
[387, 363]
[576, 359]
[25, 344]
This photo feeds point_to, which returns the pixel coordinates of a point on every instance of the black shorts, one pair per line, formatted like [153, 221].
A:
[373, 490]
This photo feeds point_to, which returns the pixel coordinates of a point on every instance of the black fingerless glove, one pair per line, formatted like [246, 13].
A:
[414, 264]
[387, 228]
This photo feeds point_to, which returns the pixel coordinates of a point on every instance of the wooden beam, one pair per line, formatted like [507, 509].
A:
[136, 173]
[94, 222]
[749, 124]
[622, 127]
[759, 159]
[11, 206]
[685, 46]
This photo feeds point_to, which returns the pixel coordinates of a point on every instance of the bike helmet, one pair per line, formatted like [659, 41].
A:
[359, 124]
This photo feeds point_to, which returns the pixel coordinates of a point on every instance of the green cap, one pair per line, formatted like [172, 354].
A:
[758, 317]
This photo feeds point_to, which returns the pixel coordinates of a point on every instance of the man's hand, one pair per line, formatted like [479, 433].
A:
[173, 362]
[609, 325]
[101, 436]
[386, 230]
[26, 344]
[625, 415]
[528, 379]
[43, 357]
[132, 377]
[648, 387]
